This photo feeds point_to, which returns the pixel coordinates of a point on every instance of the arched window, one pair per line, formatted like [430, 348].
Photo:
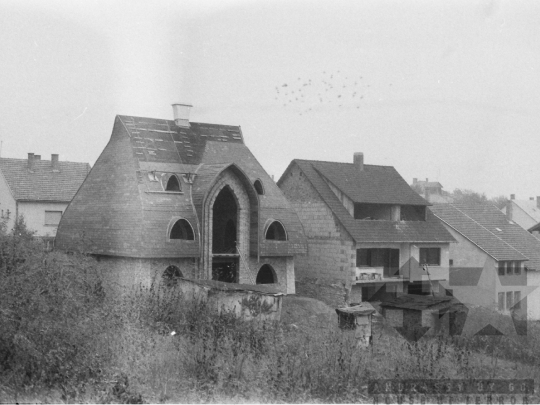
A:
[173, 184]
[276, 231]
[182, 230]
[258, 187]
[266, 275]
[171, 275]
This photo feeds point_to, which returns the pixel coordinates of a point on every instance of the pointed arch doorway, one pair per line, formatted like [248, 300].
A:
[225, 220]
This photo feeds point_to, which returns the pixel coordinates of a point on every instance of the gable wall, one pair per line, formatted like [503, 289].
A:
[520, 217]
[7, 202]
[34, 215]
[326, 271]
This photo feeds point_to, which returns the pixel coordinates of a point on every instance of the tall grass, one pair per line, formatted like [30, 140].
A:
[65, 337]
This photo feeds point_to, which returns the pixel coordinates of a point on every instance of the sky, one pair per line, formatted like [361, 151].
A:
[448, 91]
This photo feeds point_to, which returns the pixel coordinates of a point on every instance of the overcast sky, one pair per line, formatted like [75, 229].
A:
[448, 91]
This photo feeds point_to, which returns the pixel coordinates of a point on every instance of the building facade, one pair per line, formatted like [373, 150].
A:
[368, 233]
[495, 263]
[178, 198]
[38, 190]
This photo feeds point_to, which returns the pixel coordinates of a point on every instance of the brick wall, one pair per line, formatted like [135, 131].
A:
[326, 271]
[125, 273]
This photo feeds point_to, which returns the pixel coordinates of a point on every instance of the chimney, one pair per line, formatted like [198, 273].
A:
[31, 161]
[427, 179]
[358, 160]
[512, 196]
[415, 180]
[54, 162]
[538, 201]
[37, 157]
[181, 114]
[531, 198]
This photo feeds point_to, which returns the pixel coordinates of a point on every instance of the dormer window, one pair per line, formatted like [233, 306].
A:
[182, 229]
[258, 187]
[276, 231]
[173, 184]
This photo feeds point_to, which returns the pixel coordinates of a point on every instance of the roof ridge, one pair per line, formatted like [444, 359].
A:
[341, 163]
[167, 120]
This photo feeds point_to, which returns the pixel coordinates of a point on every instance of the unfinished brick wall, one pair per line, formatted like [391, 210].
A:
[283, 268]
[326, 271]
[125, 273]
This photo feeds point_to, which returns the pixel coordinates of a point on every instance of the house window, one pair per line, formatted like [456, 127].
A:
[388, 259]
[510, 268]
[182, 230]
[52, 218]
[173, 184]
[509, 300]
[501, 301]
[258, 187]
[517, 299]
[171, 275]
[517, 268]
[276, 231]
[501, 268]
[430, 256]
[266, 275]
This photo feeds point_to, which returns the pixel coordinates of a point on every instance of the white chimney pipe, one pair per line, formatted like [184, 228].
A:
[181, 114]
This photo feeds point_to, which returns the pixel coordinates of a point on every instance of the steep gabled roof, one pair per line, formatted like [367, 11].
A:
[43, 184]
[374, 184]
[489, 229]
[374, 231]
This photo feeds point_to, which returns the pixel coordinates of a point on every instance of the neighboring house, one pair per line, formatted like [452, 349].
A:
[38, 190]
[177, 199]
[431, 191]
[366, 229]
[495, 262]
[525, 213]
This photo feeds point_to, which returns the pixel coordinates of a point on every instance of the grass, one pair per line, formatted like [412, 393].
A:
[65, 338]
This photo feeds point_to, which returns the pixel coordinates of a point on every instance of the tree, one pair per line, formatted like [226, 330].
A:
[499, 201]
[465, 196]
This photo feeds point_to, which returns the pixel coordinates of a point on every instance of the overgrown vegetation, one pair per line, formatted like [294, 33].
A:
[65, 337]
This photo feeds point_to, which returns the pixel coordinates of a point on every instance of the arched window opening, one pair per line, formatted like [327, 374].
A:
[258, 187]
[171, 276]
[182, 230]
[276, 231]
[173, 184]
[266, 275]
[225, 219]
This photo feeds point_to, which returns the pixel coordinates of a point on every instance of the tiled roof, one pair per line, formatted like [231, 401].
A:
[374, 184]
[156, 140]
[529, 207]
[43, 184]
[376, 231]
[489, 229]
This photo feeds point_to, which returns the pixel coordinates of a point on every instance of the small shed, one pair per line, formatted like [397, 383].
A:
[357, 319]
[249, 302]
[423, 314]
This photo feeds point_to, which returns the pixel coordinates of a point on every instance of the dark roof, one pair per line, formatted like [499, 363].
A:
[488, 228]
[418, 302]
[156, 140]
[376, 231]
[374, 184]
[43, 184]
